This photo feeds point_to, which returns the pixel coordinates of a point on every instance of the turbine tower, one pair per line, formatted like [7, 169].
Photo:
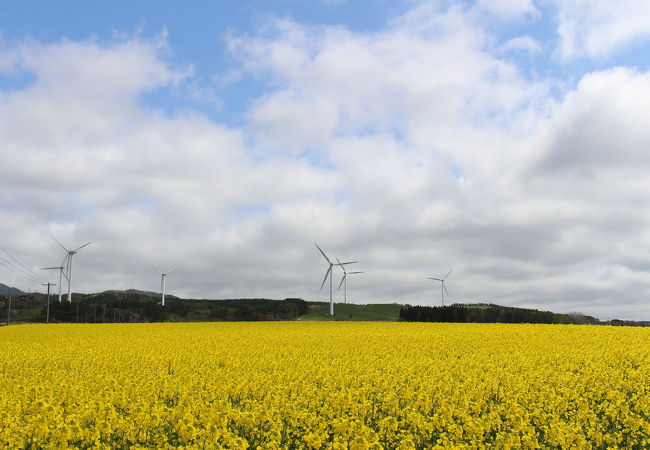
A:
[162, 282]
[68, 269]
[345, 277]
[443, 288]
[329, 273]
[60, 269]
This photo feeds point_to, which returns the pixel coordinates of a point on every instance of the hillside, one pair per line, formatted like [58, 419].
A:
[4, 290]
[350, 312]
[138, 292]
[140, 306]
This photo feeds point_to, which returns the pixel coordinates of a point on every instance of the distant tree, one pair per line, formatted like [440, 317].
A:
[286, 310]
[472, 313]
[301, 305]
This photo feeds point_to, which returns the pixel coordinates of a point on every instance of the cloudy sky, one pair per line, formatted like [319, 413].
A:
[507, 139]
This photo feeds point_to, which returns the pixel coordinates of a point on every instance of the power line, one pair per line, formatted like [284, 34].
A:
[17, 270]
[21, 264]
[26, 273]
[8, 266]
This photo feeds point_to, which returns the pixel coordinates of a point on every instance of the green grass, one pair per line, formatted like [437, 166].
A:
[342, 312]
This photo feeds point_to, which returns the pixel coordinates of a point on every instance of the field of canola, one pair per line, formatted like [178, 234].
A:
[324, 385]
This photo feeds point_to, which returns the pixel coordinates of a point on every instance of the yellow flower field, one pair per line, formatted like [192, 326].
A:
[324, 385]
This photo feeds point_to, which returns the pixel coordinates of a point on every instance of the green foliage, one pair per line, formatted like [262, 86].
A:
[352, 312]
[137, 306]
[487, 313]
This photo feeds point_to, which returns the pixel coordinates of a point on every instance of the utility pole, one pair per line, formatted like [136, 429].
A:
[47, 314]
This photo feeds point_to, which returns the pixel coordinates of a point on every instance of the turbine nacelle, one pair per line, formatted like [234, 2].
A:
[71, 252]
[164, 274]
[162, 282]
[328, 273]
[61, 273]
[344, 279]
[345, 275]
[443, 288]
[68, 265]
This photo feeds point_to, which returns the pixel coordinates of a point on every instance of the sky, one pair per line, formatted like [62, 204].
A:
[506, 139]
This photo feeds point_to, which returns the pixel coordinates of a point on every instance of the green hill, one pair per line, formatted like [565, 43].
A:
[139, 306]
[342, 312]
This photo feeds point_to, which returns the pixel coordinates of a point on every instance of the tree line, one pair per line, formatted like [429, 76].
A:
[488, 313]
[125, 306]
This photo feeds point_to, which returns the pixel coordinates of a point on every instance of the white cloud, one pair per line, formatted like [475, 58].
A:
[508, 9]
[523, 43]
[85, 161]
[428, 65]
[601, 125]
[412, 148]
[598, 28]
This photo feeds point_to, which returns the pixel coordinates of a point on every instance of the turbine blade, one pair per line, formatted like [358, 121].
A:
[342, 280]
[430, 278]
[340, 265]
[51, 268]
[322, 253]
[329, 269]
[445, 277]
[352, 273]
[156, 269]
[349, 262]
[170, 270]
[445, 288]
[79, 248]
[60, 244]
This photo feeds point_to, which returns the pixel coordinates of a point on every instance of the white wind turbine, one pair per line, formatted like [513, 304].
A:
[162, 282]
[60, 269]
[345, 277]
[68, 270]
[443, 288]
[329, 273]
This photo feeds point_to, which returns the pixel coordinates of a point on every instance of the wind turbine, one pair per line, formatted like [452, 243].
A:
[60, 269]
[68, 270]
[345, 277]
[162, 282]
[329, 273]
[443, 288]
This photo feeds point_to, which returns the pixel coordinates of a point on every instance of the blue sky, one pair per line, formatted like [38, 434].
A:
[504, 138]
[196, 34]
[197, 37]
